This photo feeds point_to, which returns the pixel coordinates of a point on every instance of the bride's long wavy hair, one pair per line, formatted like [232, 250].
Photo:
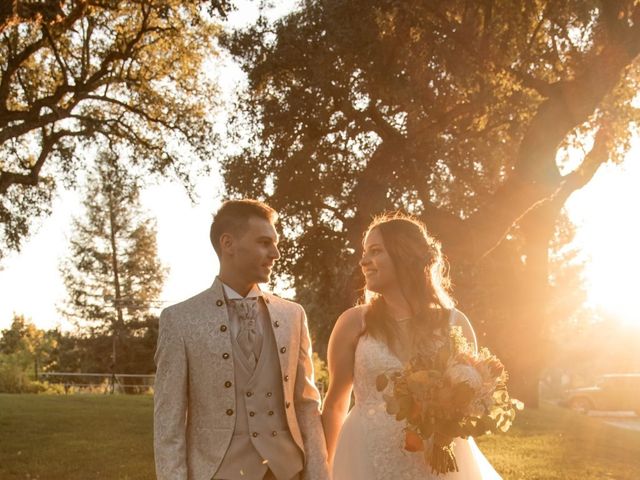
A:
[422, 273]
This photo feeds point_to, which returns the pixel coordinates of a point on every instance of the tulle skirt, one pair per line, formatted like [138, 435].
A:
[370, 447]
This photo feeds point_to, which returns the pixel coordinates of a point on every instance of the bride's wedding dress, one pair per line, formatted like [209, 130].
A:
[370, 444]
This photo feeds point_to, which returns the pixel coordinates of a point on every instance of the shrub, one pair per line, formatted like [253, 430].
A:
[13, 372]
[16, 377]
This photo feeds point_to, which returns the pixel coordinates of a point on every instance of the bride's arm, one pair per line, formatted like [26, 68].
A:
[340, 356]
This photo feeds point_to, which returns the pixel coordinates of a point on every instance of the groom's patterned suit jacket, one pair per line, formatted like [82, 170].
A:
[194, 414]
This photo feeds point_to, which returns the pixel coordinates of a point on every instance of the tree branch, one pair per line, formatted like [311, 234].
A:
[32, 178]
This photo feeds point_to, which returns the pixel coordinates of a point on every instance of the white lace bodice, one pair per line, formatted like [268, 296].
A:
[372, 357]
[383, 434]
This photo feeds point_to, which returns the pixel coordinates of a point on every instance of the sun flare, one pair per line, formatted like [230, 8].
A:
[609, 238]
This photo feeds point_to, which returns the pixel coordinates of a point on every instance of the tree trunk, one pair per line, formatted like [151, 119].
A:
[531, 322]
[116, 283]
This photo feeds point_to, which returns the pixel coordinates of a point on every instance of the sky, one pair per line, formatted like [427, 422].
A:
[608, 234]
[30, 283]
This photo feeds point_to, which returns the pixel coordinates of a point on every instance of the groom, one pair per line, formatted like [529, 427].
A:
[234, 393]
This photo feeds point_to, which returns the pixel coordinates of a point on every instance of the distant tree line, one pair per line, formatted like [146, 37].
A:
[27, 351]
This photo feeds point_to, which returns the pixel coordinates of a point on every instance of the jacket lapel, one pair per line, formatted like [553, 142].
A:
[216, 318]
[281, 329]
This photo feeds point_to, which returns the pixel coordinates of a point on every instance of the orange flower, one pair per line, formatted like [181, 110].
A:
[413, 442]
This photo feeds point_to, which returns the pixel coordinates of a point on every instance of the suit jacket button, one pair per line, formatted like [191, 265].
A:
[271, 413]
[252, 414]
[223, 328]
[286, 378]
[287, 404]
[227, 384]
[219, 303]
[269, 394]
[254, 434]
[229, 412]
[225, 355]
[283, 349]
[249, 394]
[276, 324]
[274, 433]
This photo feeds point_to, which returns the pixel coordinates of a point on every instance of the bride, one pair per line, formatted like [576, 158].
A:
[406, 286]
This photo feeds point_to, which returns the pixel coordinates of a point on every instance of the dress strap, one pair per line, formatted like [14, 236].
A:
[452, 315]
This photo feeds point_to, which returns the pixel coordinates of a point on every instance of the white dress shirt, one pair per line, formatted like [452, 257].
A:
[234, 323]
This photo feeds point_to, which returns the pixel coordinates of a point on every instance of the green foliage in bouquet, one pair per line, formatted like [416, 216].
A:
[448, 391]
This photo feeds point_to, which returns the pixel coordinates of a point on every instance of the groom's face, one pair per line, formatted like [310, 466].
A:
[255, 250]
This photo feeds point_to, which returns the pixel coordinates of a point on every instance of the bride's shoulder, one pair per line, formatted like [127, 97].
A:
[351, 322]
[354, 314]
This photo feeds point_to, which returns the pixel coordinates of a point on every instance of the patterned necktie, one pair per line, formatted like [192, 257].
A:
[248, 336]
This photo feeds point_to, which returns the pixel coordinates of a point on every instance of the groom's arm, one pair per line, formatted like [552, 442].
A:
[170, 402]
[307, 408]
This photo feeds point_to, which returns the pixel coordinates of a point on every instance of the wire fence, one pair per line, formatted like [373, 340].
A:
[108, 383]
[111, 382]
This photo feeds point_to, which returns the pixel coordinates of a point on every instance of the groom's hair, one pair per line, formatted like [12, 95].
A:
[233, 217]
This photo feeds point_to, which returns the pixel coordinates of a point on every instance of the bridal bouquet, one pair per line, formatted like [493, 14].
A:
[447, 391]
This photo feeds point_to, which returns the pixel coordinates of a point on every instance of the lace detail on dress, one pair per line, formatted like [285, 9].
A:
[383, 434]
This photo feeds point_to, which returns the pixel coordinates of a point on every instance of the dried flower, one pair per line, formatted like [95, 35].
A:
[445, 392]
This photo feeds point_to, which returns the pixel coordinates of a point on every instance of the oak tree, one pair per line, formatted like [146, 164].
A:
[461, 112]
[118, 72]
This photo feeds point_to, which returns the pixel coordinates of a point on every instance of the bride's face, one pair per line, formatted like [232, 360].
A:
[377, 266]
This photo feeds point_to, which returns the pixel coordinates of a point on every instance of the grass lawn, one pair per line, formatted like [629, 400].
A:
[110, 437]
[76, 437]
[555, 443]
